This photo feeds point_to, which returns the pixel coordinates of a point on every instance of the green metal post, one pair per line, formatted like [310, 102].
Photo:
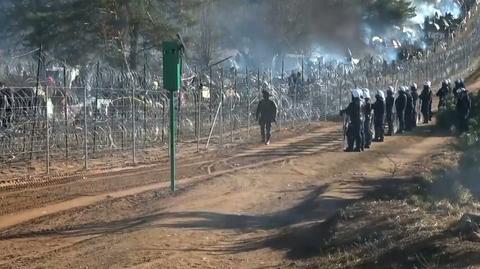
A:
[172, 81]
[173, 135]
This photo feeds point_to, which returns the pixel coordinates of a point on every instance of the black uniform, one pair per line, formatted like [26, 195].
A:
[390, 101]
[442, 95]
[409, 109]
[353, 111]
[414, 93]
[379, 119]
[456, 89]
[266, 114]
[464, 105]
[400, 106]
[426, 99]
[367, 119]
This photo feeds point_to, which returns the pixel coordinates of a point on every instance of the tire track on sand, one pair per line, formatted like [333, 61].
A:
[302, 146]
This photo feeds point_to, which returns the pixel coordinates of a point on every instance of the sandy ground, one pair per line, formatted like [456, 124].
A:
[230, 212]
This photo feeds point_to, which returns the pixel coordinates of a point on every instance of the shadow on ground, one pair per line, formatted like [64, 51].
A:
[304, 232]
[304, 228]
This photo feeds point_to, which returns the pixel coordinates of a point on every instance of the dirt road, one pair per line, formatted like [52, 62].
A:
[231, 212]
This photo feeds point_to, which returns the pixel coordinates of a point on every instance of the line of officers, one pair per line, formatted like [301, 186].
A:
[401, 111]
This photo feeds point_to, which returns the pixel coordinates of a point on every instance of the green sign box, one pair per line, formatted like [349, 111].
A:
[172, 66]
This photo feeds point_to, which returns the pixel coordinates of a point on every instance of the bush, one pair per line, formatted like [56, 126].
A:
[446, 118]
[475, 119]
[459, 186]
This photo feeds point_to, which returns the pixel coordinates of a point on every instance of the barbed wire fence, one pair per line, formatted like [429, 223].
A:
[65, 125]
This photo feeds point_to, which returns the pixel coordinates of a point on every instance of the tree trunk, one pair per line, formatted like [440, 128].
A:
[133, 33]
[133, 55]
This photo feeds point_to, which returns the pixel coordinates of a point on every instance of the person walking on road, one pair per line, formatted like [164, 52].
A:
[266, 115]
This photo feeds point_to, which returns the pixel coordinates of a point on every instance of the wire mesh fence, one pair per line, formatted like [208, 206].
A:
[73, 117]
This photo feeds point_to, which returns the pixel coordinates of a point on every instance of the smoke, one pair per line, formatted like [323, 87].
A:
[428, 9]
[387, 39]
[263, 29]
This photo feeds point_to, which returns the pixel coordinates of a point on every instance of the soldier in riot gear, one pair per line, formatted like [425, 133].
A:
[426, 99]
[379, 116]
[362, 120]
[389, 102]
[409, 110]
[354, 111]
[367, 118]
[449, 86]
[442, 95]
[459, 84]
[266, 115]
[464, 105]
[400, 106]
[414, 94]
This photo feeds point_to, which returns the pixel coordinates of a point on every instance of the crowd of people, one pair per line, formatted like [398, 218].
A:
[399, 112]
[395, 112]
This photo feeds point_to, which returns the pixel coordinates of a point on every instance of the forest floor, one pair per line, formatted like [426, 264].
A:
[298, 203]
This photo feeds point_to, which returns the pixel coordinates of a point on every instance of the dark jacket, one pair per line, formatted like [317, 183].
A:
[401, 103]
[457, 87]
[409, 107]
[353, 111]
[464, 105]
[367, 110]
[443, 92]
[379, 111]
[426, 98]
[414, 94]
[389, 105]
[266, 111]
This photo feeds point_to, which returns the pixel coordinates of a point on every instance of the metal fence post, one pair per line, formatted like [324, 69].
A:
[199, 112]
[85, 133]
[232, 125]
[280, 104]
[65, 109]
[134, 133]
[35, 104]
[145, 105]
[326, 104]
[248, 103]
[210, 100]
[221, 107]
[95, 109]
[164, 104]
[47, 130]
